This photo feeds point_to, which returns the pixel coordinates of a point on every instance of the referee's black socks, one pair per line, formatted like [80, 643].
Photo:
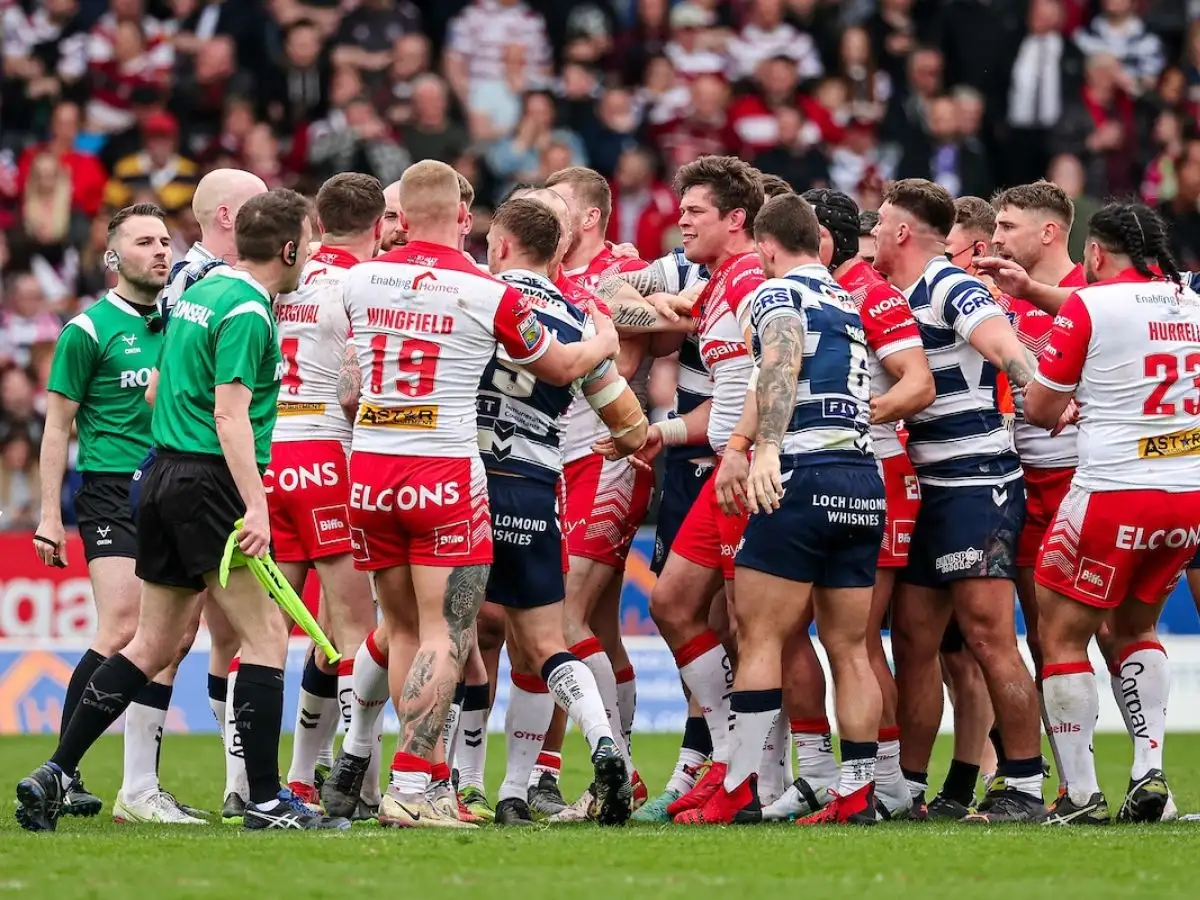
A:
[111, 689]
[84, 670]
[258, 712]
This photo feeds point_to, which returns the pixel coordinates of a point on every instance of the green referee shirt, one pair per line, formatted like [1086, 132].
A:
[102, 361]
[222, 330]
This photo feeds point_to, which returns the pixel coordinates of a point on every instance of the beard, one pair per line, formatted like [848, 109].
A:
[145, 282]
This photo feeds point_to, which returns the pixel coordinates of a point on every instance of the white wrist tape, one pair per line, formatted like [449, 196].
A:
[674, 431]
[607, 395]
[753, 385]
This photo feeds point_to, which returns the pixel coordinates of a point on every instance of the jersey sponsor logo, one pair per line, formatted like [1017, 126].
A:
[886, 305]
[1177, 443]
[368, 499]
[284, 408]
[1130, 671]
[300, 478]
[531, 330]
[453, 539]
[1131, 537]
[358, 545]
[426, 282]
[1064, 323]
[102, 535]
[714, 352]
[958, 561]
[971, 302]
[131, 346]
[192, 312]
[1094, 578]
[135, 378]
[912, 487]
[332, 524]
[409, 417]
[902, 530]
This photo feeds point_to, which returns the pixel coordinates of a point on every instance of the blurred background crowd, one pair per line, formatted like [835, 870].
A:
[108, 102]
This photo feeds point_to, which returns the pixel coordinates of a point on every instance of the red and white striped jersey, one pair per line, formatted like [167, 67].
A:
[1129, 348]
[720, 314]
[313, 330]
[425, 323]
[889, 326]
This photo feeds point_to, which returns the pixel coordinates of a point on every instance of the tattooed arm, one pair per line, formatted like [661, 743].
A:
[782, 341]
[998, 343]
[349, 383]
[647, 281]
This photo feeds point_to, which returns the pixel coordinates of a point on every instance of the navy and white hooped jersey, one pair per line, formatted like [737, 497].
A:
[960, 439]
[195, 265]
[833, 396]
[1192, 280]
[693, 383]
[520, 418]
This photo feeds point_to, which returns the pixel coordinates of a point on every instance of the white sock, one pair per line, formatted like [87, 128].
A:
[775, 768]
[530, 708]
[1145, 686]
[574, 689]
[858, 770]
[1072, 704]
[144, 720]
[889, 780]
[548, 763]
[470, 750]
[683, 778]
[409, 775]
[754, 715]
[815, 762]
[706, 671]
[371, 794]
[591, 653]
[627, 704]
[1050, 739]
[316, 724]
[450, 728]
[370, 694]
[236, 781]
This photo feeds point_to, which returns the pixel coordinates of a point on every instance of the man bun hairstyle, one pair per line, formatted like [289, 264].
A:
[532, 224]
[789, 220]
[733, 183]
[925, 201]
[350, 203]
[837, 212]
[267, 222]
[1136, 231]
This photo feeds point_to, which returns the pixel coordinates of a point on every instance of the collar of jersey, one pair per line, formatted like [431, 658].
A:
[936, 262]
[529, 273]
[335, 256]
[123, 305]
[812, 270]
[242, 275]
[201, 255]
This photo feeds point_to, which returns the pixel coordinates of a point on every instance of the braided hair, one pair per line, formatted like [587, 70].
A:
[1136, 231]
[837, 212]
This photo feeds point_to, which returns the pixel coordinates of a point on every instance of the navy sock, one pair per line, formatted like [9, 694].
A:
[696, 736]
[316, 682]
[960, 782]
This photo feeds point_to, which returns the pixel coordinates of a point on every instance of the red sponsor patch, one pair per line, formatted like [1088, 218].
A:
[358, 545]
[714, 352]
[902, 530]
[1094, 578]
[453, 539]
[332, 524]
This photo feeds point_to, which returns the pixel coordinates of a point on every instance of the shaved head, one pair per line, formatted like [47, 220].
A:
[219, 196]
[429, 195]
[393, 235]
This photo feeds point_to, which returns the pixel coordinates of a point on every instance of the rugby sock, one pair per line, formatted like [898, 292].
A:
[704, 667]
[411, 774]
[530, 707]
[107, 693]
[1072, 704]
[371, 794]
[235, 763]
[998, 741]
[84, 670]
[345, 690]
[591, 653]
[918, 782]
[317, 717]
[453, 719]
[858, 766]
[960, 782]
[470, 751]
[1145, 686]
[258, 715]
[370, 693]
[1058, 767]
[548, 763]
[144, 722]
[754, 716]
[574, 689]
[694, 750]
[218, 689]
[889, 780]
[627, 703]
[775, 767]
[815, 762]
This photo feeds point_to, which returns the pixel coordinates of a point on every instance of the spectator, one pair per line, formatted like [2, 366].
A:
[969, 109]
[858, 166]
[431, 134]
[354, 139]
[794, 158]
[870, 86]
[663, 96]
[1121, 33]
[296, 92]
[767, 35]
[695, 48]
[1159, 183]
[478, 36]
[26, 318]
[46, 208]
[555, 156]
[906, 118]
[236, 122]
[495, 104]
[170, 176]
[410, 60]
[647, 39]
[614, 133]
[578, 91]
[752, 115]
[1068, 173]
[519, 158]
[21, 429]
[367, 37]
[644, 210]
[87, 175]
[202, 87]
[704, 128]
[1192, 63]
[1182, 212]
[894, 38]
[261, 155]
[31, 43]
[1098, 126]
[946, 158]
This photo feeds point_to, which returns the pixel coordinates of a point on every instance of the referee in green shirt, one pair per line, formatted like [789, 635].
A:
[98, 382]
[219, 375]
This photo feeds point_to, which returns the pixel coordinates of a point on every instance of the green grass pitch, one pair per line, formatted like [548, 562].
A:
[96, 858]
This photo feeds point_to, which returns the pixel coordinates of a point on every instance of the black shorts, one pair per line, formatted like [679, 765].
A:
[682, 482]
[527, 544]
[104, 518]
[188, 507]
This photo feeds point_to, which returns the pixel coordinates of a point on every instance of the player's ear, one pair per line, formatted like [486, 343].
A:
[379, 228]
[737, 219]
[402, 221]
[463, 212]
[290, 253]
[468, 223]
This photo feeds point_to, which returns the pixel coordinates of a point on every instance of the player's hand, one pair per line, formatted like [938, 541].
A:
[883, 410]
[606, 333]
[1009, 276]
[670, 306]
[52, 548]
[1069, 416]
[255, 537]
[624, 251]
[731, 481]
[644, 458]
[764, 487]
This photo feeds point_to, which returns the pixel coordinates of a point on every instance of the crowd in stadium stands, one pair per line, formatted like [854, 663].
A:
[110, 102]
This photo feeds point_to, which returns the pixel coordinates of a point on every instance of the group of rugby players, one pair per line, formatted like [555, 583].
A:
[473, 438]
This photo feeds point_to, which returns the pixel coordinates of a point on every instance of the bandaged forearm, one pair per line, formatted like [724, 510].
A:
[618, 408]
[673, 431]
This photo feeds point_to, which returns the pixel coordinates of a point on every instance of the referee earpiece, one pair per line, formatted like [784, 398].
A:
[112, 260]
[290, 253]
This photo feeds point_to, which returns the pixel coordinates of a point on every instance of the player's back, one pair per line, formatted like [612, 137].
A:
[425, 323]
[521, 418]
[833, 391]
[1139, 391]
[313, 330]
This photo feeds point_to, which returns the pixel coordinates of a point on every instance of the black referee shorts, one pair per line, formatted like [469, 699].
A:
[188, 506]
[105, 521]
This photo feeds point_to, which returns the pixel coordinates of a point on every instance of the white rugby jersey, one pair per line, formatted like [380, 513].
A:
[960, 438]
[833, 394]
[425, 323]
[522, 419]
[693, 383]
[722, 309]
[582, 426]
[313, 331]
[1129, 348]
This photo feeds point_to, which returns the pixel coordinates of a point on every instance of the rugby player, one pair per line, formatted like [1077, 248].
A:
[392, 235]
[972, 497]
[98, 381]
[307, 483]
[220, 368]
[1127, 527]
[418, 489]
